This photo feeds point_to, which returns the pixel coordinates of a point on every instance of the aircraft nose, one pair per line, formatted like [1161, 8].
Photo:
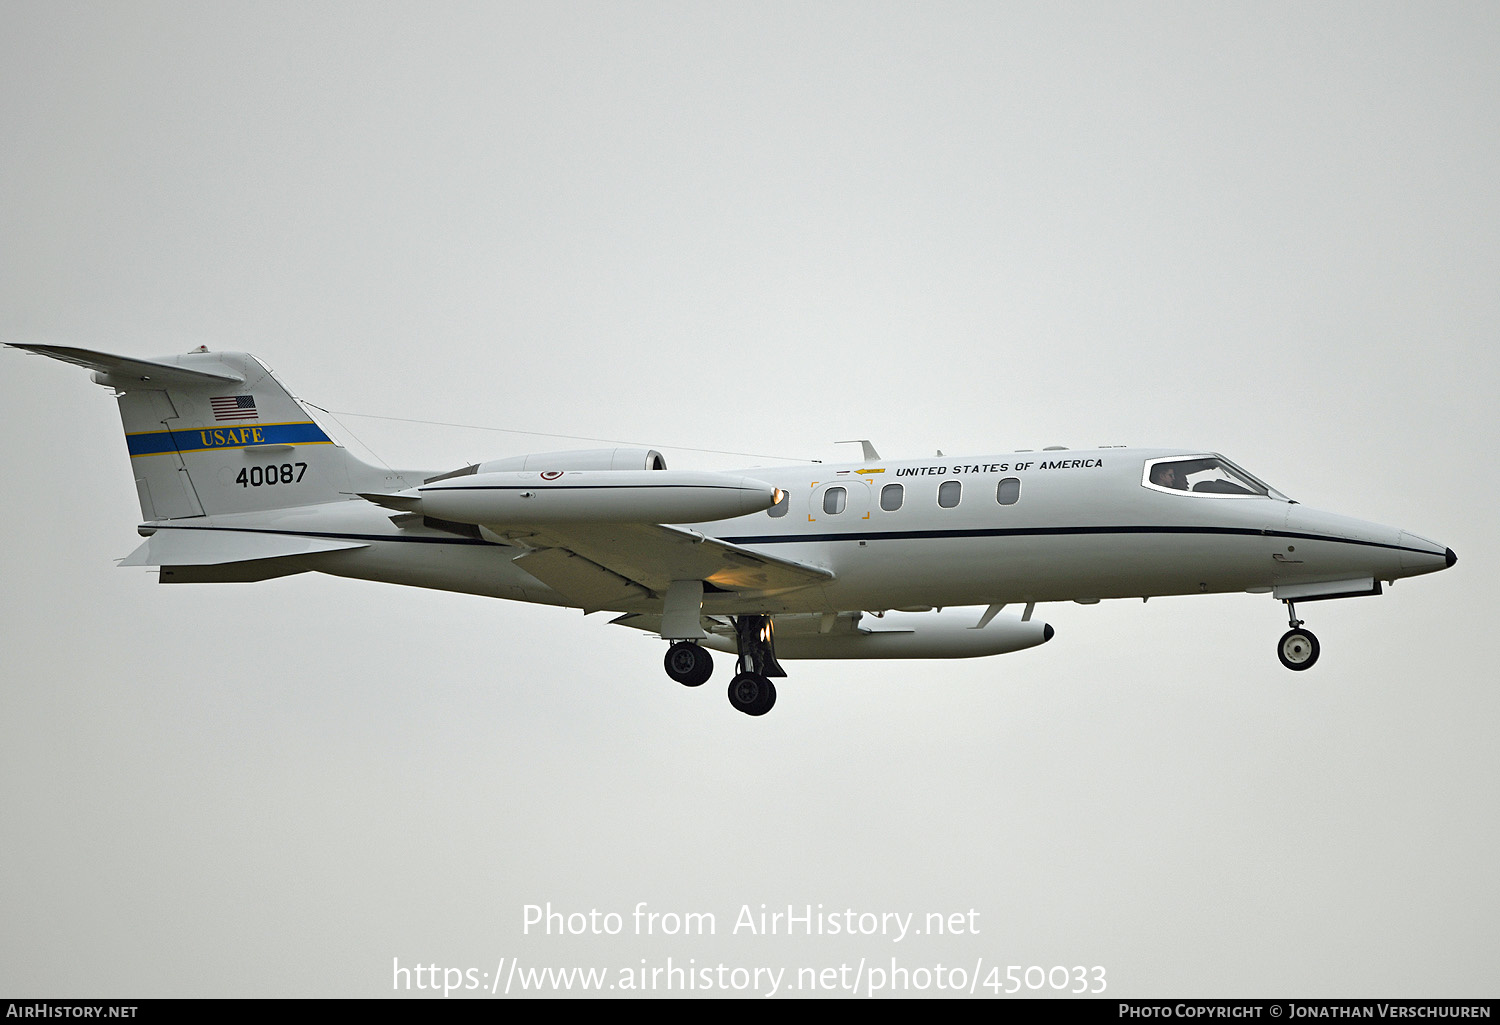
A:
[1419, 555]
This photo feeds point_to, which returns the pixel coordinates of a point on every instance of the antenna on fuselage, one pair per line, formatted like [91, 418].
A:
[870, 453]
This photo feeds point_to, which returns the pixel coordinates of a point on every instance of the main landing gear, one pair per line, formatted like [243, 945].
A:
[751, 691]
[1298, 648]
[689, 664]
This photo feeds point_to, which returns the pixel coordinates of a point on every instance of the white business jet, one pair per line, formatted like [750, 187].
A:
[238, 481]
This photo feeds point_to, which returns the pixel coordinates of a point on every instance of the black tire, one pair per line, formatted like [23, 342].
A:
[1297, 649]
[689, 664]
[752, 694]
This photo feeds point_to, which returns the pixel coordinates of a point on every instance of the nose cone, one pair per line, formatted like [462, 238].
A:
[757, 495]
[1419, 555]
[1331, 546]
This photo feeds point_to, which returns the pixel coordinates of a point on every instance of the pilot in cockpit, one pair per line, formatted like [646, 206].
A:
[1168, 475]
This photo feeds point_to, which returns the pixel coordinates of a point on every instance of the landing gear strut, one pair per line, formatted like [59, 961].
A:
[689, 664]
[1298, 648]
[751, 690]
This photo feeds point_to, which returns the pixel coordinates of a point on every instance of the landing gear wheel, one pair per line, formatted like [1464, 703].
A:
[1297, 649]
[752, 693]
[689, 664]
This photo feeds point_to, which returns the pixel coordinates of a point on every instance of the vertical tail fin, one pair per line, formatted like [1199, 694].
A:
[213, 433]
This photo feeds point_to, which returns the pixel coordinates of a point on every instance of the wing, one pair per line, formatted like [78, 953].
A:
[620, 565]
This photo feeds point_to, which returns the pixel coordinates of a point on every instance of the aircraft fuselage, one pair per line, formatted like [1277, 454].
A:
[1078, 526]
[238, 481]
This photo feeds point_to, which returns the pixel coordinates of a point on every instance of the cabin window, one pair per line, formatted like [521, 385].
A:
[1008, 492]
[949, 492]
[781, 507]
[833, 501]
[891, 497]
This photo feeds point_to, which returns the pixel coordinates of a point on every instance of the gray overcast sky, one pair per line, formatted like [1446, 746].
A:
[1267, 229]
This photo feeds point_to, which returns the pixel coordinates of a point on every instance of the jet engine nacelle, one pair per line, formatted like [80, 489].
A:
[580, 459]
[577, 459]
[587, 496]
[947, 634]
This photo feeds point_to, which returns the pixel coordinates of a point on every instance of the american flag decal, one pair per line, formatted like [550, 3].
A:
[234, 407]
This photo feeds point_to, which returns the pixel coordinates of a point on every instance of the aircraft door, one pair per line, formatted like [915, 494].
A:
[845, 499]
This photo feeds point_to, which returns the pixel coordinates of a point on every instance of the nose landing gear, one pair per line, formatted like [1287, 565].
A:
[1298, 648]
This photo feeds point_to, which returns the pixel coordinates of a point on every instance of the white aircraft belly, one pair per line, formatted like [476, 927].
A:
[1046, 567]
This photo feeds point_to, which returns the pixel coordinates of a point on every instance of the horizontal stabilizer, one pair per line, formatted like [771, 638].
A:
[125, 368]
[207, 546]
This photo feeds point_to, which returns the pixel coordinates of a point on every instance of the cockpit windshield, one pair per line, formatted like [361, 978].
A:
[1208, 475]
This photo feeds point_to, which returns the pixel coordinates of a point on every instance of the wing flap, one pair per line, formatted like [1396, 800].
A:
[586, 583]
[206, 546]
[652, 556]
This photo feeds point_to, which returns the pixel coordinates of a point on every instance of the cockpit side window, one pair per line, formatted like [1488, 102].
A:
[1211, 476]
